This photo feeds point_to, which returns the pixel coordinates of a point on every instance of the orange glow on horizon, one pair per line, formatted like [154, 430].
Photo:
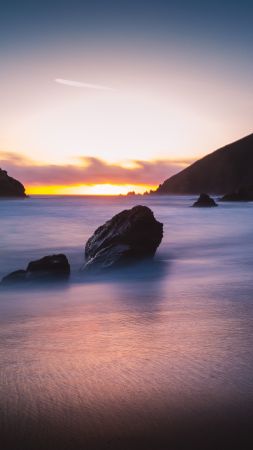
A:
[97, 189]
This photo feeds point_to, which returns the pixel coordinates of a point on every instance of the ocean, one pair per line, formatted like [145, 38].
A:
[159, 357]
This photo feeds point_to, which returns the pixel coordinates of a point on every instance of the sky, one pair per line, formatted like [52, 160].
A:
[110, 96]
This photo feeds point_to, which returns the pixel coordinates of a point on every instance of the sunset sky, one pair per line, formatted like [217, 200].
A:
[109, 96]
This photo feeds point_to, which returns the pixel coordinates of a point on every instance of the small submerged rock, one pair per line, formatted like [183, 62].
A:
[48, 268]
[14, 277]
[130, 236]
[205, 201]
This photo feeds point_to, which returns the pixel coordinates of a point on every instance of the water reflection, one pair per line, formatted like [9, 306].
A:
[135, 354]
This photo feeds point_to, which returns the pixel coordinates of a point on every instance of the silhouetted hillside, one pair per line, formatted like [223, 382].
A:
[9, 187]
[225, 170]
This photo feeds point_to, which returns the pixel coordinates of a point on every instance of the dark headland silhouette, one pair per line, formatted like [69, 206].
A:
[226, 170]
[9, 187]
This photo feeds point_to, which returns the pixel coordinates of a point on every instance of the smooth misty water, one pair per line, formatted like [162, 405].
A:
[112, 357]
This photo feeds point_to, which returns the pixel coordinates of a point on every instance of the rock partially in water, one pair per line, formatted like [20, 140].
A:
[53, 266]
[9, 187]
[48, 268]
[204, 201]
[19, 276]
[130, 236]
[244, 194]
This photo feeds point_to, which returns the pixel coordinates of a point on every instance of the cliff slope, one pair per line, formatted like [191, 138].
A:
[225, 170]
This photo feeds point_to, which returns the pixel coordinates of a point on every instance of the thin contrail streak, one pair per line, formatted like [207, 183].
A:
[79, 84]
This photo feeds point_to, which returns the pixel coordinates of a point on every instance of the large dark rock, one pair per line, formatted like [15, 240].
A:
[204, 201]
[9, 187]
[224, 170]
[244, 194]
[129, 236]
[49, 268]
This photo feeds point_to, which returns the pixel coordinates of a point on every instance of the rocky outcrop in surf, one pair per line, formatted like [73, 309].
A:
[204, 201]
[244, 194]
[48, 268]
[130, 236]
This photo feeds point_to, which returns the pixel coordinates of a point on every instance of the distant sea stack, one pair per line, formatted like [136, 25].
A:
[225, 170]
[204, 201]
[9, 187]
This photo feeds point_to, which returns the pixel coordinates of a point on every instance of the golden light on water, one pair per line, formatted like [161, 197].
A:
[97, 189]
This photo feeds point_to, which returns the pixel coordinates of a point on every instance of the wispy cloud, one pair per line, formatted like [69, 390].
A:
[80, 84]
[89, 171]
